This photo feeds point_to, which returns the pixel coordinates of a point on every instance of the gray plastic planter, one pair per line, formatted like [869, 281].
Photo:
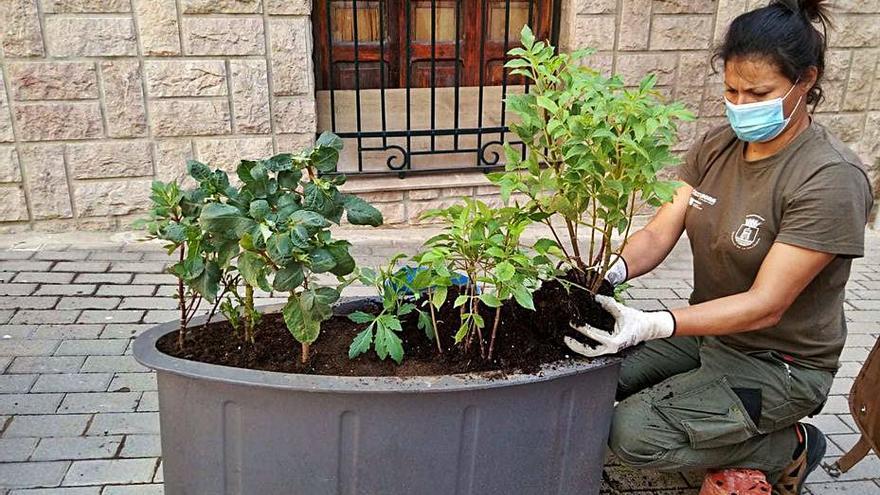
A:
[237, 431]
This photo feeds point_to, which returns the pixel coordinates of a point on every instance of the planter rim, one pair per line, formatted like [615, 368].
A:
[146, 353]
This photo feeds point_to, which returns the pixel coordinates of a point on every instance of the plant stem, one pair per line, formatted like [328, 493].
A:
[304, 356]
[181, 295]
[434, 321]
[494, 330]
[574, 243]
[249, 313]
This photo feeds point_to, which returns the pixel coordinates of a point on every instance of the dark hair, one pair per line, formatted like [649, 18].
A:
[784, 33]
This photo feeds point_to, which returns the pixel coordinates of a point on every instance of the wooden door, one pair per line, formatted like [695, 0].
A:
[394, 44]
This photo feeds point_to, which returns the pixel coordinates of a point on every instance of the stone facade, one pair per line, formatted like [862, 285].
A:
[98, 97]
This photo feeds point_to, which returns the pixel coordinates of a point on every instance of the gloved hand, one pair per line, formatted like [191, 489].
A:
[630, 328]
[617, 272]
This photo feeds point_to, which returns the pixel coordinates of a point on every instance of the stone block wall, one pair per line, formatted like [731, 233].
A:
[99, 97]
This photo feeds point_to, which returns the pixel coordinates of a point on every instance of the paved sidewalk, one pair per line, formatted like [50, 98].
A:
[78, 414]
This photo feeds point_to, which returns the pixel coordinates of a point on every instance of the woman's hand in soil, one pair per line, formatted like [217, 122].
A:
[630, 328]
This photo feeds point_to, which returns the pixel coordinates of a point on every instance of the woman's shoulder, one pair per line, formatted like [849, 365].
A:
[825, 148]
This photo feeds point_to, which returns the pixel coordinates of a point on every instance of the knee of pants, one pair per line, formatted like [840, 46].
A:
[630, 441]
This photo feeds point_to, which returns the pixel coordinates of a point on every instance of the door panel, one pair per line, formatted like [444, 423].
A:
[404, 41]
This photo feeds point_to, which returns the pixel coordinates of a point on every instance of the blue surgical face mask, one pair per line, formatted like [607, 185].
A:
[760, 121]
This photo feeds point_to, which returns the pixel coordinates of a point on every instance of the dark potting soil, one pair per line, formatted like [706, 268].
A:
[525, 340]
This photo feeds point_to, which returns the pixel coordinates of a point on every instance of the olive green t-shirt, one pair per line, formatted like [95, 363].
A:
[814, 194]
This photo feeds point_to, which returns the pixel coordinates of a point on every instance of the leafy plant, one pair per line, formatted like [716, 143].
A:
[173, 218]
[592, 150]
[271, 232]
[483, 244]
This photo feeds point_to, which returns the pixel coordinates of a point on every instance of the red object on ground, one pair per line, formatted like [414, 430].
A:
[735, 482]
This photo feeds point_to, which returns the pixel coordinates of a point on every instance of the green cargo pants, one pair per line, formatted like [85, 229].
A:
[690, 403]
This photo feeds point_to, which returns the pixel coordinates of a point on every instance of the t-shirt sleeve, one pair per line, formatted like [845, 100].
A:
[828, 212]
[691, 170]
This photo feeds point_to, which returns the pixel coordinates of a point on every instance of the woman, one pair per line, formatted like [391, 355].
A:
[775, 208]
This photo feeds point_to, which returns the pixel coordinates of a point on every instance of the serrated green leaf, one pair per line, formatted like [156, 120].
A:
[320, 260]
[259, 209]
[459, 301]
[208, 282]
[461, 333]
[225, 220]
[279, 247]
[426, 325]
[505, 271]
[288, 277]
[361, 317]
[439, 296]
[361, 342]
[198, 170]
[359, 212]
[344, 263]
[253, 270]
[279, 163]
[304, 328]
[490, 299]
[523, 297]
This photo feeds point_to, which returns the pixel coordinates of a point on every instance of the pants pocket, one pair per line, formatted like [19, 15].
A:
[711, 415]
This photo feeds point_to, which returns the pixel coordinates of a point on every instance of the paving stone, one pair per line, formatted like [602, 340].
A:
[22, 347]
[35, 316]
[97, 364]
[48, 364]
[25, 266]
[841, 386]
[163, 316]
[148, 303]
[160, 474]
[829, 424]
[110, 471]
[149, 402]
[112, 316]
[18, 331]
[16, 384]
[17, 289]
[66, 290]
[645, 304]
[166, 290]
[151, 489]
[79, 490]
[142, 446]
[867, 469]
[154, 279]
[69, 448]
[81, 266]
[32, 474]
[43, 277]
[124, 424]
[67, 332]
[103, 278]
[844, 488]
[845, 441]
[5, 316]
[858, 354]
[159, 256]
[16, 255]
[97, 347]
[836, 404]
[16, 449]
[29, 403]
[27, 302]
[72, 255]
[73, 382]
[99, 402]
[88, 302]
[133, 382]
[47, 425]
[126, 290]
[138, 266]
[115, 256]
[124, 330]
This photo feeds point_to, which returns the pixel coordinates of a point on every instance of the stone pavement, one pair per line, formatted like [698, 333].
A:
[78, 414]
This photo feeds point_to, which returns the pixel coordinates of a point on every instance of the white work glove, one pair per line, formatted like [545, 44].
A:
[617, 272]
[630, 328]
